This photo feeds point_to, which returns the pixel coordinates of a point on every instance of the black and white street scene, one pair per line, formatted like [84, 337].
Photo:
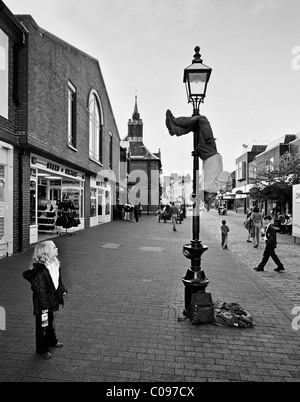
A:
[149, 193]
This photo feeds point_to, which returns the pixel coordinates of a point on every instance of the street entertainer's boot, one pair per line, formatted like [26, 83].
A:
[180, 125]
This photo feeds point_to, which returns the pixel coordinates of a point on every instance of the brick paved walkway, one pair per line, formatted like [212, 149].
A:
[125, 295]
[288, 283]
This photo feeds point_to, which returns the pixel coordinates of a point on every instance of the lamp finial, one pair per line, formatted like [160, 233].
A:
[197, 55]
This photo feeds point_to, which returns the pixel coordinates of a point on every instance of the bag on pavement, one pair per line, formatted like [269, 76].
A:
[201, 308]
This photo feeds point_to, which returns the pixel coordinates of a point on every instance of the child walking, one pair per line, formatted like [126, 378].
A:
[48, 291]
[224, 234]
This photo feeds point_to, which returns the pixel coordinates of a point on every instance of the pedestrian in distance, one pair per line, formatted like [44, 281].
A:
[279, 221]
[126, 212]
[48, 291]
[257, 222]
[249, 225]
[271, 243]
[287, 225]
[174, 215]
[224, 234]
[136, 212]
[131, 213]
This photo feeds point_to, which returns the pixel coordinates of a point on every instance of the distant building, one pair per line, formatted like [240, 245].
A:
[244, 174]
[258, 158]
[145, 167]
[177, 188]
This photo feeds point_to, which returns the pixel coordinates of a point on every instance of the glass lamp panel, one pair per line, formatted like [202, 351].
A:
[197, 83]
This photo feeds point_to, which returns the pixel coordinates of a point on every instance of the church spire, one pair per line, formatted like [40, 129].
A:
[135, 125]
[136, 115]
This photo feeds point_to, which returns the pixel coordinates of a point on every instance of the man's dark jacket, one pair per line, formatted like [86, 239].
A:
[271, 237]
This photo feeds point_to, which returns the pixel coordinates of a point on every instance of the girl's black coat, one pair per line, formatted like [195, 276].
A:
[45, 296]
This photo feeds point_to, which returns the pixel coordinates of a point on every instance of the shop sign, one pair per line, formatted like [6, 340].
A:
[54, 168]
[57, 168]
[70, 172]
[71, 183]
[101, 184]
[55, 182]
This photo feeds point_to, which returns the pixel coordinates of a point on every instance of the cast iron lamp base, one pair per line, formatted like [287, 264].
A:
[195, 280]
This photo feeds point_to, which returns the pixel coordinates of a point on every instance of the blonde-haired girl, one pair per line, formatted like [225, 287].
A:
[48, 291]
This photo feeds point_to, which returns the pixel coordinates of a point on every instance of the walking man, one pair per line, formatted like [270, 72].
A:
[174, 215]
[224, 234]
[271, 243]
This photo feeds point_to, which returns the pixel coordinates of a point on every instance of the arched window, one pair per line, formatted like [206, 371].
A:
[95, 127]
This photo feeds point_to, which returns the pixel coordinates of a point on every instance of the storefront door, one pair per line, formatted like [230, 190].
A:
[100, 204]
[6, 200]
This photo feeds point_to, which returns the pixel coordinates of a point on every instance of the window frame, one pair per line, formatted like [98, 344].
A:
[4, 66]
[110, 148]
[95, 127]
[72, 126]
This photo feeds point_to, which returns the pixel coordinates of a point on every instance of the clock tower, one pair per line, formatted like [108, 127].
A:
[135, 125]
[145, 166]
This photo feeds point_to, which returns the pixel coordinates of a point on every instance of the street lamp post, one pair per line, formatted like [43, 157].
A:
[196, 77]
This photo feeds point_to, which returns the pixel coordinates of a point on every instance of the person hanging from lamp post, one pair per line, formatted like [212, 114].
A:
[213, 178]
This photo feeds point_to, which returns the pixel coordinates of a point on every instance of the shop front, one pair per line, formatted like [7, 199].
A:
[100, 201]
[6, 199]
[56, 198]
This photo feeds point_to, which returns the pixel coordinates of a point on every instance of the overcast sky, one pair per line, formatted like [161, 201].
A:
[143, 46]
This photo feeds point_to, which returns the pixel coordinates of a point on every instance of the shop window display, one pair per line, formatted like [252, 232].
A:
[32, 202]
[93, 202]
[107, 203]
[67, 214]
[46, 218]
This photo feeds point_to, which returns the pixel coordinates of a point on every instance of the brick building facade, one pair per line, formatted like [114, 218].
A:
[58, 136]
[12, 37]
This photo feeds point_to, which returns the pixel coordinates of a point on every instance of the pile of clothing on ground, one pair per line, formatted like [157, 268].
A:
[231, 314]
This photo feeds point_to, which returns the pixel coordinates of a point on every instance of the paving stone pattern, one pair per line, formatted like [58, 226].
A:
[126, 293]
